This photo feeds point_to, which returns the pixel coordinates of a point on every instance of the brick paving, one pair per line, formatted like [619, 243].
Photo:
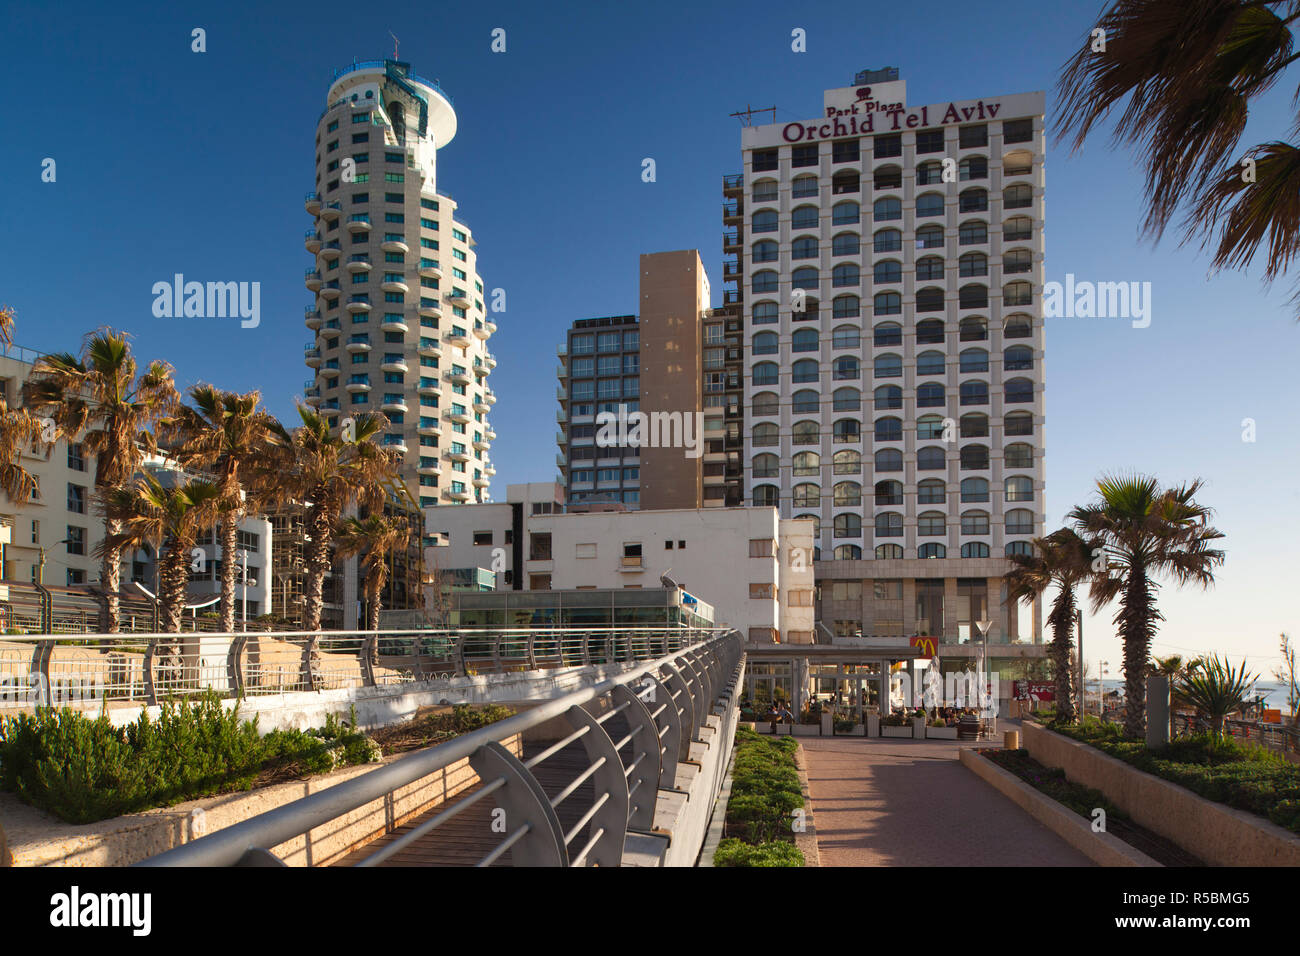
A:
[887, 802]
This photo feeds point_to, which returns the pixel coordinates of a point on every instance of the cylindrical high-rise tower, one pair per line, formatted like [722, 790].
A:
[399, 319]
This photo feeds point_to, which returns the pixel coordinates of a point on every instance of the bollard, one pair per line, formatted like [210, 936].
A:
[1011, 740]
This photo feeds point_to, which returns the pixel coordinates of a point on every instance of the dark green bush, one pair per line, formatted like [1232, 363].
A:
[733, 852]
[765, 792]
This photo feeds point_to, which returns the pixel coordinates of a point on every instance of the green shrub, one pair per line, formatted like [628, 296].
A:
[733, 852]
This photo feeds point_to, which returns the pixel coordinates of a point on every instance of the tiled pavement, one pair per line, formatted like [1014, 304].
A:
[898, 802]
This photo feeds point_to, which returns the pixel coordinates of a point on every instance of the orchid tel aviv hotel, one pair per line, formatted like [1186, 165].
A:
[887, 259]
[399, 321]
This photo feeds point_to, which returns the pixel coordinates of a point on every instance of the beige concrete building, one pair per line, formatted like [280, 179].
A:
[400, 325]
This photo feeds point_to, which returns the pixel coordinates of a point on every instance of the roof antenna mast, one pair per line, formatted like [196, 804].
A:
[394, 36]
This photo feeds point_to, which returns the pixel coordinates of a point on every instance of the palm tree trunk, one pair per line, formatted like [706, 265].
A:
[373, 608]
[1062, 623]
[319, 523]
[173, 577]
[1136, 622]
[110, 579]
[229, 547]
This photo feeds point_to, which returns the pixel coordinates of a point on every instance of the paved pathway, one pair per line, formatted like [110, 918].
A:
[898, 802]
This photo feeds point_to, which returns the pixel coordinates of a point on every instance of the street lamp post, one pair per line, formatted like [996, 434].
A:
[1101, 688]
[40, 568]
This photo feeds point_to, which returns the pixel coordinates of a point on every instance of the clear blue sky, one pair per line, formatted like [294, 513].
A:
[172, 161]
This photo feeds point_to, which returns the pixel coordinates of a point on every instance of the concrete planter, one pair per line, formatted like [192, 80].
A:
[918, 728]
[807, 730]
[941, 733]
[896, 731]
[873, 725]
[1217, 833]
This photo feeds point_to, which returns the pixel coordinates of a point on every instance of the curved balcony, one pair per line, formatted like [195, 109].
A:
[428, 388]
[489, 360]
[460, 298]
[395, 365]
[458, 378]
[489, 434]
[480, 369]
[459, 339]
[394, 325]
[358, 347]
[490, 397]
[355, 387]
[490, 326]
[458, 455]
[331, 210]
[429, 348]
[330, 292]
[397, 446]
[311, 355]
[358, 225]
[312, 203]
[313, 280]
[312, 241]
[397, 406]
[359, 306]
[394, 245]
[430, 310]
[429, 468]
[359, 265]
[395, 287]
[430, 270]
[430, 428]
[312, 317]
[481, 406]
[459, 417]
[480, 482]
[481, 330]
[482, 444]
[458, 495]
[489, 470]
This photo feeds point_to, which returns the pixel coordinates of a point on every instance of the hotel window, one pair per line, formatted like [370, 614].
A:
[1019, 423]
[845, 151]
[931, 550]
[805, 247]
[930, 141]
[931, 523]
[845, 181]
[1019, 488]
[884, 147]
[763, 160]
[764, 221]
[887, 303]
[765, 190]
[804, 155]
[930, 204]
[1018, 131]
[975, 425]
[1019, 455]
[1018, 390]
[846, 590]
[764, 281]
[76, 459]
[974, 490]
[804, 187]
[360, 137]
[970, 137]
[973, 200]
[888, 208]
[972, 233]
[765, 496]
[845, 213]
[975, 522]
[931, 458]
[458, 234]
[888, 240]
[765, 251]
[332, 126]
[804, 217]
[76, 540]
[888, 552]
[888, 590]
[973, 167]
[845, 274]
[845, 552]
[1020, 521]
[845, 244]
[77, 499]
[608, 342]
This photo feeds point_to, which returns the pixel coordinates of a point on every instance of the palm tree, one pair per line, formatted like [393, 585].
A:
[328, 471]
[1217, 689]
[18, 430]
[100, 398]
[372, 538]
[1144, 531]
[222, 433]
[6, 325]
[1063, 559]
[1188, 70]
[167, 517]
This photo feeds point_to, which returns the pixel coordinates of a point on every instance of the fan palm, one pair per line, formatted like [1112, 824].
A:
[6, 325]
[372, 538]
[1188, 70]
[1217, 689]
[100, 397]
[227, 435]
[18, 431]
[1145, 531]
[1063, 559]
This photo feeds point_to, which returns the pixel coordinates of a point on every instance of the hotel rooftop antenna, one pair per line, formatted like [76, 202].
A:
[395, 43]
[746, 116]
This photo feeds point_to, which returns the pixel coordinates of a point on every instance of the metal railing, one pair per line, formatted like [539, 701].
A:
[634, 730]
[97, 669]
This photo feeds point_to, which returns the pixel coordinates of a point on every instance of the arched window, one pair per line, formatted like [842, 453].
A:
[767, 466]
[766, 373]
[766, 403]
[846, 337]
[889, 459]
[766, 343]
[847, 399]
[974, 425]
[888, 303]
[929, 173]
[847, 494]
[974, 360]
[845, 368]
[887, 397]
[1019, 488]
[974, 457]
[889, 524]
[845, 181]
[765, 435]
[1019, 196]
[847, 430]
[846, 244]
[807, 495]
[929, 237]
[1018, 423]
[1017, 229]
[765, 251]
[972, 233]
[847, 462]
[1018, 455]
[930, 395]
[804, 217]
[806, 463]
[764, 281]
[974, 489]
[765, 190]
[889, 552]
[805, 433]
[929, 269]
[929, 204]
[765, 313]
[1017, 358]
[931, 549]
[887, 209]
[889, 429]
[764, 221]
[929, 332]
[887, 333]
[888, 365]
[1017, 391]
[973, 264]
[974, 549]
[931, 458]
[845, 307]
[848, 552]
[847, 526]
[844, 213]
[805, 277]
[1017, 293]
[930, 428]
[889, 492]
[931, 491]
[1018, 326]
[804, 370]
[1020, 521]
[931, 363]
[805, 340]
[887, 177]
[1017, 260]
[887, 240]
[806, 402]
[974, 522]
[929, 299]
[973, 296]
[886, 271]
[974, 199]
[817, 524]
[805, 247]
[931, 523]
[1019, 547]
[973, 167]
[765, 496]
[974, 393]
[974, 328]
[803, 187]
[845, 274]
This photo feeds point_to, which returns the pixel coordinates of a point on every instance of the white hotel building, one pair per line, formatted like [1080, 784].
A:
[900, 404]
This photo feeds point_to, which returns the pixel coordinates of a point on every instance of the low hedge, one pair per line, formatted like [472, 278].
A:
[765, 792]
[1220, 769]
